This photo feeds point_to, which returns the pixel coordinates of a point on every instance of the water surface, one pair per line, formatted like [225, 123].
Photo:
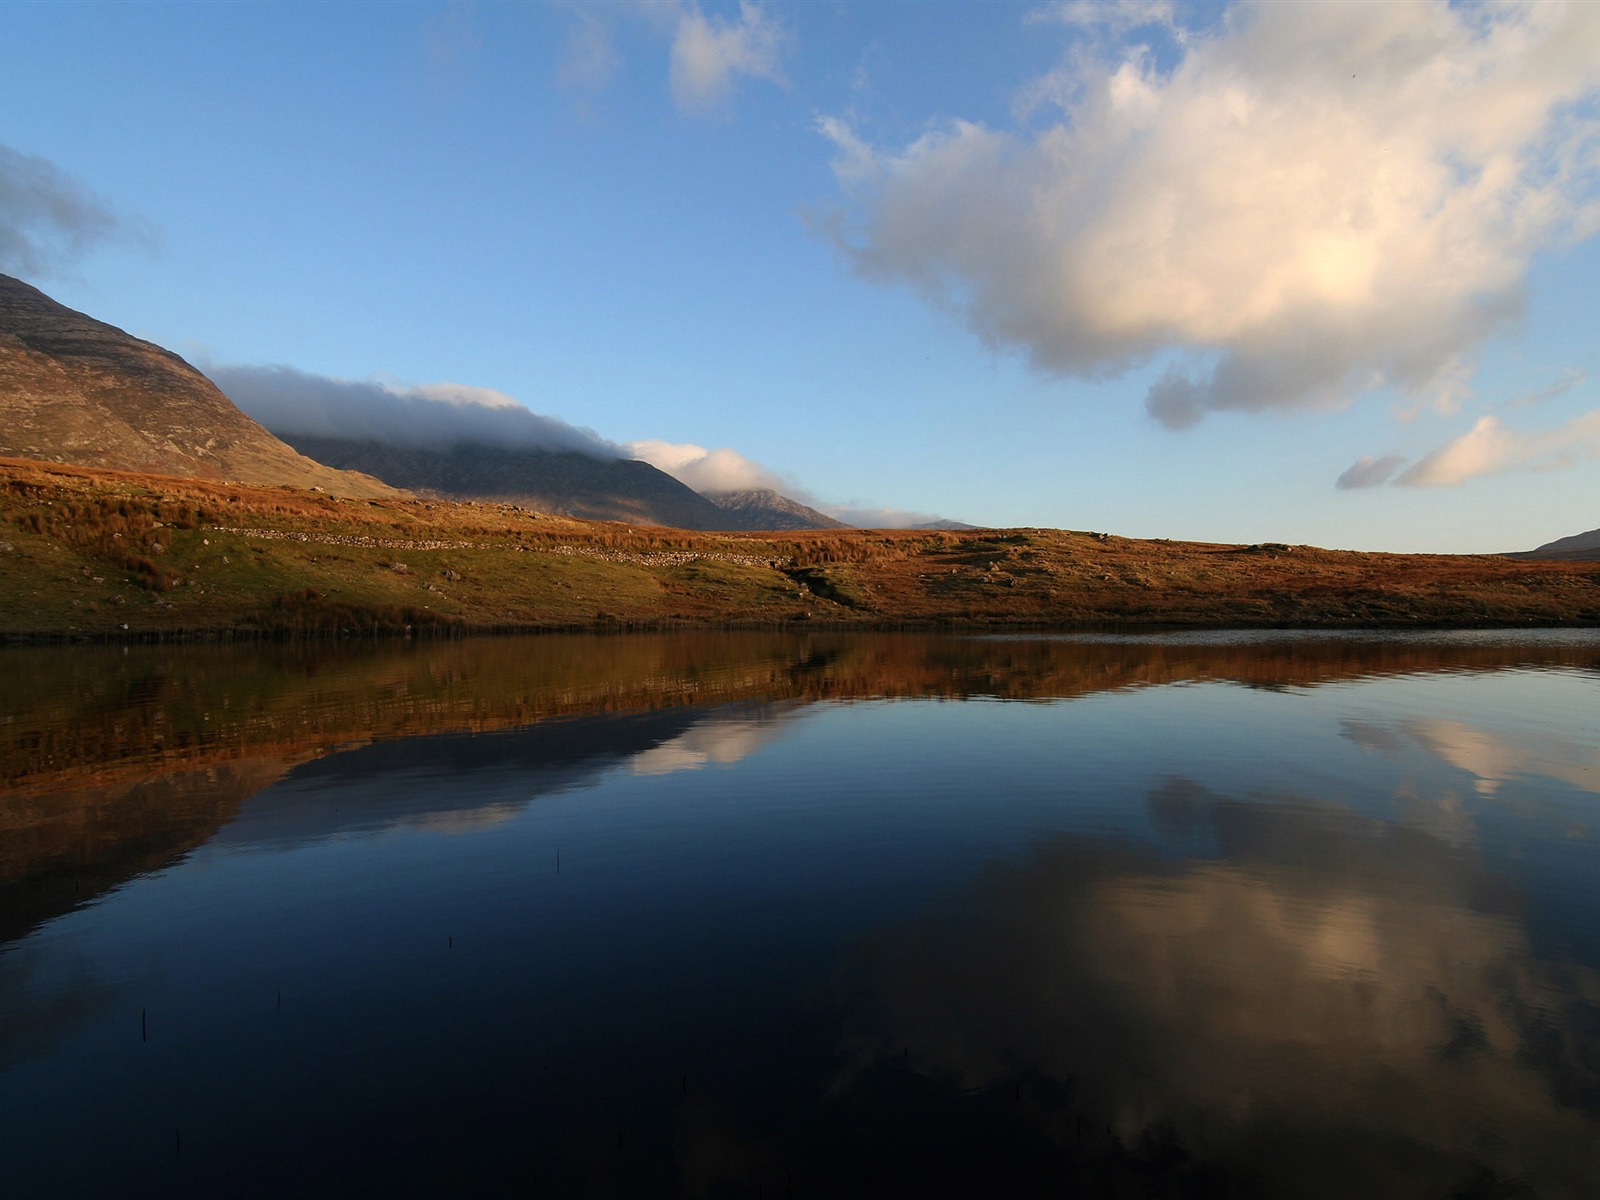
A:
[1211, 915]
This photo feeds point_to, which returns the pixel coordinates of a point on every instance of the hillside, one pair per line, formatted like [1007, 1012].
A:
[763, 508]
[562, 482]
[87, 553]
[1578, 546]
[76, 390]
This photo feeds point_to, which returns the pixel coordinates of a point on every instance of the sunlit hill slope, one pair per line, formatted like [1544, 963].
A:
[93, 553]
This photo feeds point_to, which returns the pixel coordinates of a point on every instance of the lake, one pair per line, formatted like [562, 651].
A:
[1205, 914]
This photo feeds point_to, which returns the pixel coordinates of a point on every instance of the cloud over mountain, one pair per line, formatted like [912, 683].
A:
[880, 518]
[704, 470]
[1308, 201]
[434, 415]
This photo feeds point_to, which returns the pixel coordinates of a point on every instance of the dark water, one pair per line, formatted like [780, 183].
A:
[1215, 915]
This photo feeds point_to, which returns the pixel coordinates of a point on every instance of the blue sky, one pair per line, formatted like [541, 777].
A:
[1164, 270]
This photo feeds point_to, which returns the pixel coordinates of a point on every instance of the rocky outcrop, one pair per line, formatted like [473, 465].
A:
[77, 390]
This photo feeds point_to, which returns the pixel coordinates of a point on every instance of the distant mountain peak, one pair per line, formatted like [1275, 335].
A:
[763, 508]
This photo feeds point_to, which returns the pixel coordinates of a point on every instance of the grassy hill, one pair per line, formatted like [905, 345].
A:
[91, 553]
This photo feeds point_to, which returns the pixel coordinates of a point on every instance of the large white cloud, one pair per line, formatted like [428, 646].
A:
[1311, 200]
[290, 402]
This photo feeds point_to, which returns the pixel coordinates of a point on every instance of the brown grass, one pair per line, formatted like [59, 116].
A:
[104, 553]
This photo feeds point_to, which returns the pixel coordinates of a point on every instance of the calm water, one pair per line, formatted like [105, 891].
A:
[1216, 915]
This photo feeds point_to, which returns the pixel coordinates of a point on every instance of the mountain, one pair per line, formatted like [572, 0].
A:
[946, 525]
[762, 508]
[76, 390]
[1579, 545]
[564, 482]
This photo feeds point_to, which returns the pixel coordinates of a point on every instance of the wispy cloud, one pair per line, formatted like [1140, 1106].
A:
[450, 40]
[704, 470]
[708, 53]
[1570, 378]
[290, 402]
[1370, 471]
[1310, 201]
[1489, 448]
[863, 517]
[48, 218]
[591, 57]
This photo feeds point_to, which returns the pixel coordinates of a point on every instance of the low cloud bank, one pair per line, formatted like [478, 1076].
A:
[290, 402]
[1303, 203]
[880, 518]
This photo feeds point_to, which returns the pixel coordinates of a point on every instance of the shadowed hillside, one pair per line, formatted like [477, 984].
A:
[561, 482]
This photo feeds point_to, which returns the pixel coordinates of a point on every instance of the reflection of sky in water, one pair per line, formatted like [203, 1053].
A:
[1276, 934]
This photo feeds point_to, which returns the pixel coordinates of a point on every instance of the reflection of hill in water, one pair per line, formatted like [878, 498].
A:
[86, 714]
[115, 761]
[63, 848]
[449, 782]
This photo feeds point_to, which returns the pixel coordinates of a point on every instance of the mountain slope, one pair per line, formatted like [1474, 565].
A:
[762, 508]
[1579, 545]
[77, 390]
[564, 482]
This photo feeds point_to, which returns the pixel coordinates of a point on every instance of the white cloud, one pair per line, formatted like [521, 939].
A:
[290, 402]
[48, 218]
[1113, 16]
[591, 57]
[1314, 200]
[1489, 448]
[1370, 471]
[721, 470]
[708, 52]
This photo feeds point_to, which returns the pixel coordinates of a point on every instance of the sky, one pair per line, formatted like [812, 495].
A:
[1314, 272]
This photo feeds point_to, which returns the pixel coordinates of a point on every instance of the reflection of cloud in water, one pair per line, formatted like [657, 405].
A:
[465, 821]
[1336, 999]
[1491, 757]
[455, 783]
[721, 739]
